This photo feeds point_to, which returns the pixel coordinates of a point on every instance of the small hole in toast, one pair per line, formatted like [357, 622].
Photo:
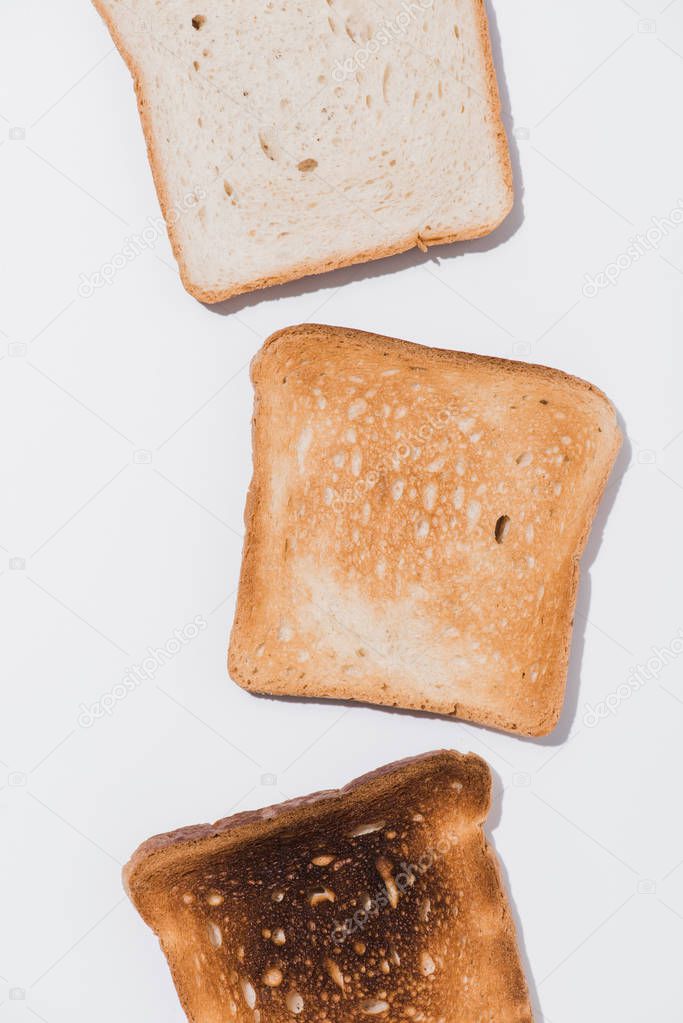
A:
[502, 528]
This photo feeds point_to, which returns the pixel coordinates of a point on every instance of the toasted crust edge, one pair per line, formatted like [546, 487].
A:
[532, 729]
[271, 818]
[211, 296]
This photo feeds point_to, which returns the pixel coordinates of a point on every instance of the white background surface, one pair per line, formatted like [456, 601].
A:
[117, 554]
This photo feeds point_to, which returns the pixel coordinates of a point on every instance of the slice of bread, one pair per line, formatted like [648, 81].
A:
[291, 139]
[380, 900]
[414, 526]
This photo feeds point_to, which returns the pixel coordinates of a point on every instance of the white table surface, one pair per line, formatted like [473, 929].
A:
[124, 461]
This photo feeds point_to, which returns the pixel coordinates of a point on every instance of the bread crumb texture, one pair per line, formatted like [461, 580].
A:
[380, 900]
[414, 526]
[291, 138]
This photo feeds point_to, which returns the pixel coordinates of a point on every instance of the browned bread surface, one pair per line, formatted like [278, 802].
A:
[381, 900]
[414, 526]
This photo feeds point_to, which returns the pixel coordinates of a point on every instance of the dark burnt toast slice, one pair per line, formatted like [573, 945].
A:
[380, 900]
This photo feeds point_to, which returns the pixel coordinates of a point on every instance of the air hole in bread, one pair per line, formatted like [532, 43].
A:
[198, 21]
[294, 1003]
[265, 146]
[385, 83]
[543, 401]
[502, 528]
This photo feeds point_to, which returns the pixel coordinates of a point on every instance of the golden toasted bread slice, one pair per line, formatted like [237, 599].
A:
[414, 526]
[380, 900]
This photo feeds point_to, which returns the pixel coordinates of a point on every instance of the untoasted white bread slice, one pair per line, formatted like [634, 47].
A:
[380, 900]
[290, 139]
[414, 526]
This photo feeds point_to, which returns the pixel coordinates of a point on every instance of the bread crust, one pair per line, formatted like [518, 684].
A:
[256, 552]
[211, 296]
[454, 793]
[101, 6]
[271, 818]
